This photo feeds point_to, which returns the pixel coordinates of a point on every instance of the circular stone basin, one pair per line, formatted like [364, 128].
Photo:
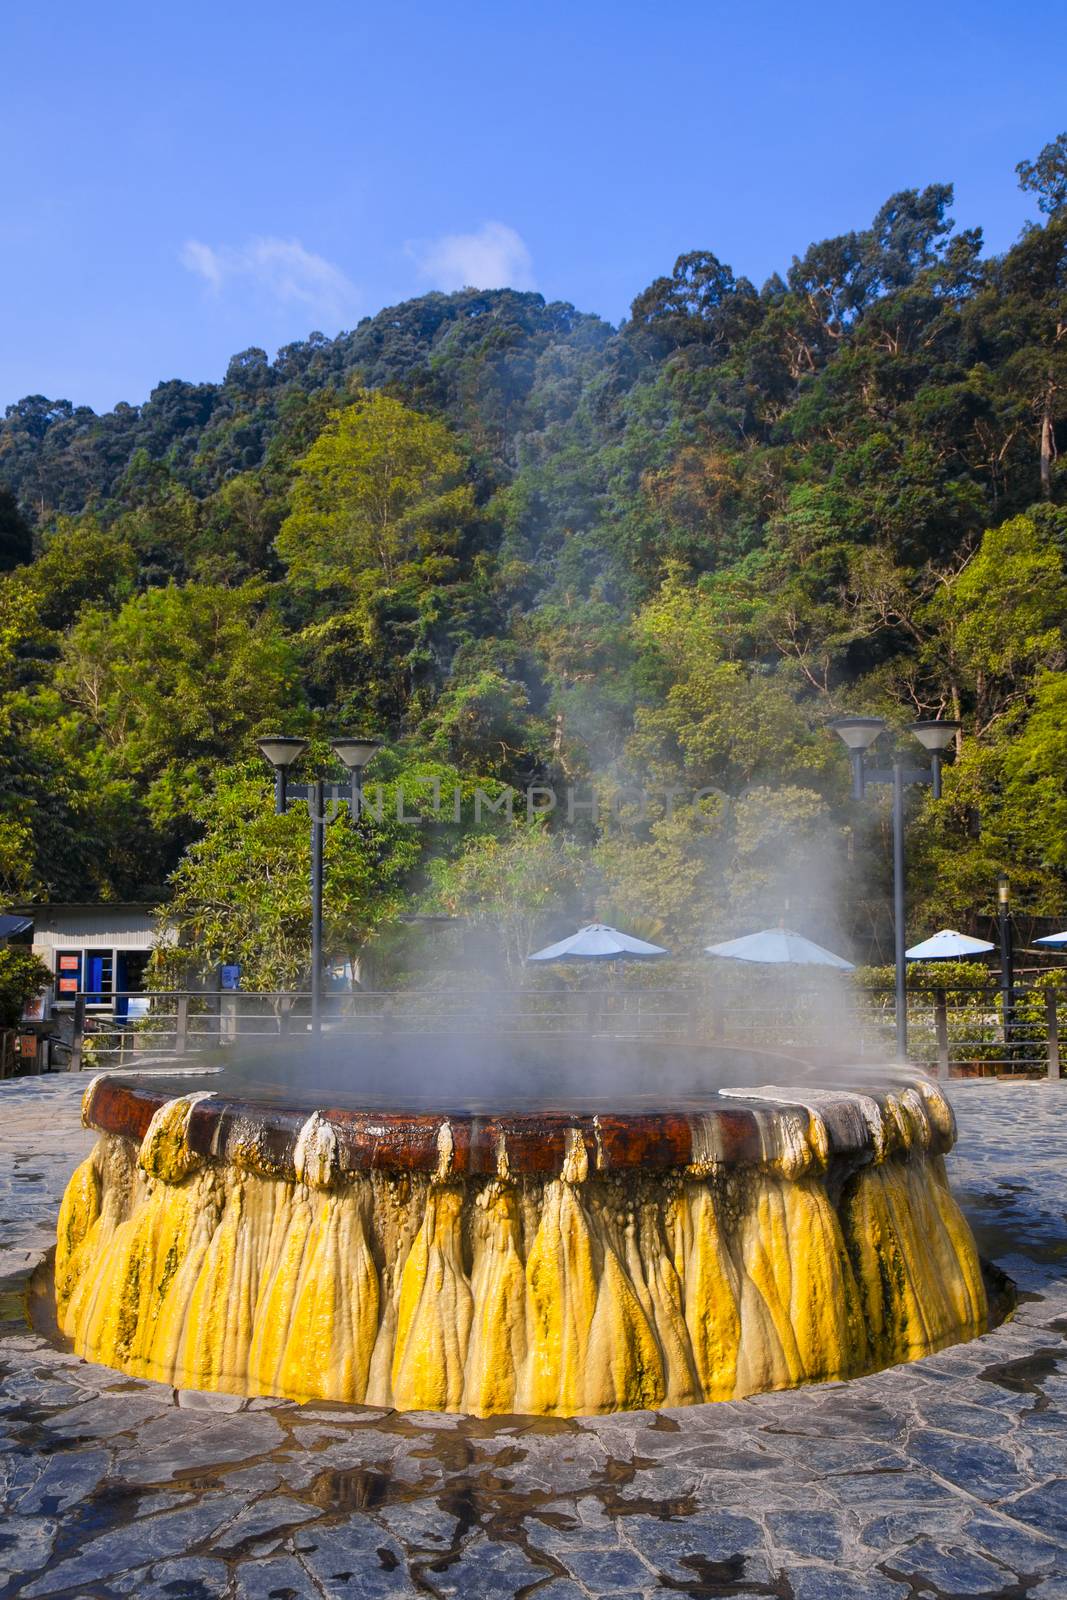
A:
[539, 1243]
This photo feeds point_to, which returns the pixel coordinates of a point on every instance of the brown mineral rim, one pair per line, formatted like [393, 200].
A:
[801, 1129]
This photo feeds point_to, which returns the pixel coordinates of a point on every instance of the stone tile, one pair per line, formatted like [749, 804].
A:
[190, 1579]
[1011, 1545]
[608, 1571]
[171, 1533]
[824, 1583]
[486, 1570]
[277, 1514]
[25, 1545]
[951, 1568]
[208, 1400]
[66, 1480]
[807, 1533]
[1044, 1509]
[969, 1421]
[420, 1524]
[896, 1528]
[109, 1415]
[278, 1576]
[572, 1535]
[732, 1542]
[981, 1469]
[335, 1555]
[912, 1488]
[177, 1442]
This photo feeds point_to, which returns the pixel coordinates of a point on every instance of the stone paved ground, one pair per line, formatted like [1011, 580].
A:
[947, 1477]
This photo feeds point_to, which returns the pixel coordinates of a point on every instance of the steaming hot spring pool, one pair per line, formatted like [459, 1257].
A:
[547, 1227]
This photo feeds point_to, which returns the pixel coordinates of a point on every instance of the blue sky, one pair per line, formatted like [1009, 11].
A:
[180, 182]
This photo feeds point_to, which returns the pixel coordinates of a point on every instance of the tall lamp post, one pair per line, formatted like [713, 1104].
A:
[858, 734]
[354, 753]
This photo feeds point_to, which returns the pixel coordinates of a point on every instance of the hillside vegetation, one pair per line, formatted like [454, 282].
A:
[522, 547]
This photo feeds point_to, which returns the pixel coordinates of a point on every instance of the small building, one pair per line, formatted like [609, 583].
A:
[99, 950]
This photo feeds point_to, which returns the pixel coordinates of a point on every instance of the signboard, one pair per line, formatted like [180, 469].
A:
[68, 974]
[34, 1010]
[230, 977]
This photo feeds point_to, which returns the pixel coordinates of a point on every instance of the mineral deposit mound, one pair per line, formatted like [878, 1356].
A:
[489, 1226]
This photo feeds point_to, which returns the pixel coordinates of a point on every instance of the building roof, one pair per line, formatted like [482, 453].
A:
[36, 907]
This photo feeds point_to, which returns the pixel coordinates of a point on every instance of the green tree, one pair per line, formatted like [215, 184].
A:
[16, 535]
[381, 487]
[160, 694]
[242, 891]
[22, 977]
[1047, 176]
[511, 885]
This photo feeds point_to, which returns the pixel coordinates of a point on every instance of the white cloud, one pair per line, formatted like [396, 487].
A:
[279, 268]
[494, 257]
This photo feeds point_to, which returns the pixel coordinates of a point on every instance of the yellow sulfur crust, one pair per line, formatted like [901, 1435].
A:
[557, 1296]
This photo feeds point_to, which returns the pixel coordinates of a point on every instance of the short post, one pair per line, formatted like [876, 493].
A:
[1007, 963]
[181, 1025]
[1053, 1033]
[941, 1027]
[78, 1037]
[317, 806]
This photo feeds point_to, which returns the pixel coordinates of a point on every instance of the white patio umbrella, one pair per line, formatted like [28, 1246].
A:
[597, 942]
[779, 946]
[948, 945]
[1055, 941]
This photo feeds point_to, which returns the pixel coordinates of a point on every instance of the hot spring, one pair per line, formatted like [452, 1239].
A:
[458, 1225]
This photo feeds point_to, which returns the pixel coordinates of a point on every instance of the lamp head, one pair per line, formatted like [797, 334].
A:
[356, 751]
[281, 751]
[858, 733]
[936, 735]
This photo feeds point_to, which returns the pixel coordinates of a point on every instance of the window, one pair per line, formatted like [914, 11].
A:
[98, 977]
[68, 974]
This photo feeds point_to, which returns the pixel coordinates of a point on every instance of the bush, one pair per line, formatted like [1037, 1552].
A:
[22, 977]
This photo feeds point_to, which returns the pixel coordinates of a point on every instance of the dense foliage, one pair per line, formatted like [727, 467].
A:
[522, 545]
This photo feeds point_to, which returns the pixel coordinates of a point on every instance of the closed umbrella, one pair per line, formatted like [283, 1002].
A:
[597, 942]
[948, 945]
[779, 946]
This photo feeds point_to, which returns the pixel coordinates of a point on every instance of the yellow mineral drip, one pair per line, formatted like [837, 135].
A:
[592, 1291]
[710, 1285]
[561, 1300]
[497, 1349]
[435, 1310]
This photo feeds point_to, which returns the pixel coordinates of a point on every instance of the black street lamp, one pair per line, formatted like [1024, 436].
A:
[354, 753]
[858, 734]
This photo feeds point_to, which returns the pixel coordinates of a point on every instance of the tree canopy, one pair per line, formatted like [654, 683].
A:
[520, 544]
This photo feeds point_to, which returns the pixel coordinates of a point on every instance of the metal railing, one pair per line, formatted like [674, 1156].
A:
[956, 1035]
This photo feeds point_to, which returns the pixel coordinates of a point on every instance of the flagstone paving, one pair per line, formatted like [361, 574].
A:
[944, 1478]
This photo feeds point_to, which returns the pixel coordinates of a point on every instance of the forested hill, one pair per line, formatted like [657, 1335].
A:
[521, 543]
[58, 457]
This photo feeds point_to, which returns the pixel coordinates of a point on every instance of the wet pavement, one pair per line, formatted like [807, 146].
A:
[944, 1478]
